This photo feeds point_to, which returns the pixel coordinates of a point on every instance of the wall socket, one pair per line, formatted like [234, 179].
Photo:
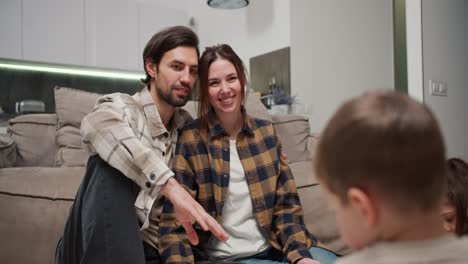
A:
[438, 88]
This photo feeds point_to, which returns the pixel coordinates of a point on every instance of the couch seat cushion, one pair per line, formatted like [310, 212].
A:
[34, 205]
[303, 173]
[41, 182]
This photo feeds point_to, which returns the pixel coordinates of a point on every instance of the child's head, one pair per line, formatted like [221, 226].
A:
[380, 150]
[455, 209]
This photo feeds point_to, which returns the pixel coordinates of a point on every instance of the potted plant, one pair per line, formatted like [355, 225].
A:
[281, 100]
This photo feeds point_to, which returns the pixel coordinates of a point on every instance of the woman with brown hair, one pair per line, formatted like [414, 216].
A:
[455, 209]
[231, 163]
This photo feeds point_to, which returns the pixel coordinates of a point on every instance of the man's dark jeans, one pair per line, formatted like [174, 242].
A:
[102, 226]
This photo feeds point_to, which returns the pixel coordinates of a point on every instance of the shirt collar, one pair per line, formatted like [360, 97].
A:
[216, 128]
[156, 126]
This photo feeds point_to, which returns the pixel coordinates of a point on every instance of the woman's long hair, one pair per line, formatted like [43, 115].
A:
[457, 193]
[210, 55]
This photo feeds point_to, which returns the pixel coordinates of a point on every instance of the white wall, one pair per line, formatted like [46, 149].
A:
[11, 29]
[261, 27]
[445, 58]
[338, 50]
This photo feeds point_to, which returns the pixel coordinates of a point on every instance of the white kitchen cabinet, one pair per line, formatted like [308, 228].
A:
[154, 16]
[105, 33]
[53, 31]
[10, 29]
[118, 30]
[112, 34]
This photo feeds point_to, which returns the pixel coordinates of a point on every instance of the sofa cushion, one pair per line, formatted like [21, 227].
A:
[49, 183]
[7, 152]
[34, 135]
[294, 130]
[320, 220]
[255, 107]
[71, 105]
[34, 205]
[71, 157]
[303, 173]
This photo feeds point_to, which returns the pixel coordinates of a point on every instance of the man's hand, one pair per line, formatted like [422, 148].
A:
[187, 211]
[308, 261]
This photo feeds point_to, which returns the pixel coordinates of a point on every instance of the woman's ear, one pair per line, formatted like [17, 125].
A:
[364, 205]
[150, 67]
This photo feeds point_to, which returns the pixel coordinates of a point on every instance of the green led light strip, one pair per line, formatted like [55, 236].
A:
[73, 71]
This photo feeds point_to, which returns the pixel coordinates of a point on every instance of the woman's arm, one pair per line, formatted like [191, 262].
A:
[288, 216]
[174, 246]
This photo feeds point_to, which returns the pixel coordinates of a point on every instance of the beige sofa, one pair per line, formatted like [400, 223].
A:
[47, 164]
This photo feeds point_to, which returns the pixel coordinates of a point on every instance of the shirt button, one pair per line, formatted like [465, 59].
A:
[148, 184]
[163, 153]
[152, 177]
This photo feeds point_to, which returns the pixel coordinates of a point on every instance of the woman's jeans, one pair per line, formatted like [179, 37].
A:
[275, 257]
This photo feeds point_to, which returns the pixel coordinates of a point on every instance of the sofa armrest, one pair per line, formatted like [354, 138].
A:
[312, 144]
[7, 152]
[294, 132]
[34, 135]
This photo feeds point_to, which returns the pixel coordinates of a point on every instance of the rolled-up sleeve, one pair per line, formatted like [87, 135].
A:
[108, 132]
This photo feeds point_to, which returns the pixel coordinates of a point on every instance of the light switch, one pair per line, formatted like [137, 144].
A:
[438, 88]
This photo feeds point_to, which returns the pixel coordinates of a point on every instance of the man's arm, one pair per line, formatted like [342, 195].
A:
[187, 211]
[107, 132]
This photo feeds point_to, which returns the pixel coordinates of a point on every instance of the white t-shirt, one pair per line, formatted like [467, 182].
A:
[245, 238]
[447, 249]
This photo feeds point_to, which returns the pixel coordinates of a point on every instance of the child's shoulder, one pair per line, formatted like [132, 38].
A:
[448, 249]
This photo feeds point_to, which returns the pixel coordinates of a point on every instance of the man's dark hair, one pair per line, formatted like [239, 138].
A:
[166, 40]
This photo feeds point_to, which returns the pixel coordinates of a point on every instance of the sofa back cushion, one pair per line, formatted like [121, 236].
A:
[71, 105]
[294, 131]
[34, 135]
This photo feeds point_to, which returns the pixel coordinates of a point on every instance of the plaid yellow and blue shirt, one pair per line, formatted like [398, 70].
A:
[203, 169]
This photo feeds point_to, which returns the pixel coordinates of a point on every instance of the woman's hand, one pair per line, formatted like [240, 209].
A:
[188, 211]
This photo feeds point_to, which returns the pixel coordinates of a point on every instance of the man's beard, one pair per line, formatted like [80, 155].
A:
[170, 98]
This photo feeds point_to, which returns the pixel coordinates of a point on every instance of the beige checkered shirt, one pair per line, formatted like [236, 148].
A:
[127, 132]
